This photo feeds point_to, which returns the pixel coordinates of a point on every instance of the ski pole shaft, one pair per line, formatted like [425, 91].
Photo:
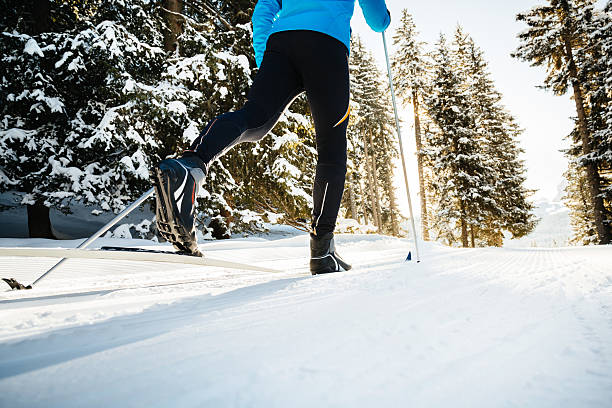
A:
[102, 230]
[399, 136]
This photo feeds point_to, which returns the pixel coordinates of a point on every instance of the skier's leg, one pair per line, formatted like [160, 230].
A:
[324, 67]
[276, 85]
[326, 81]
[177, 180]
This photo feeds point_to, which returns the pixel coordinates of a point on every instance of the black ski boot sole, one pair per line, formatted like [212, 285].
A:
[168, 220]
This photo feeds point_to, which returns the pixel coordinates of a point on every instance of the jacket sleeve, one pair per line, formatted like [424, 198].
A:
[263, 17]
[376, 14]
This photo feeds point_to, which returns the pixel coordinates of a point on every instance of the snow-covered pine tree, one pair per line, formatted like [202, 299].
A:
[461, 173]
[576, 198]
[65, 66]
[410, 67]
[363, 91]
[602, 35]
[370, 139]
[370, 158]
[595, 64]
[557, 37]
[488, 210]
[384, 146]
[438, 229]
[391, 213]
[116, 86]
[507, 206]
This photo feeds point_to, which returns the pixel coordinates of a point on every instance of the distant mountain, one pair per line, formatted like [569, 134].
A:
[553, 230]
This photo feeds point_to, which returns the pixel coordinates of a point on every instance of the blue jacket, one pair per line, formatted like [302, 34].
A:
[331, 17]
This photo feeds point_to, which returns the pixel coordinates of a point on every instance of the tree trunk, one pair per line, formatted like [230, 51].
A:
[354, 214]
[419, 146]
[375, 177]
[41, 12]
[175, 24]
[364, 208]
[592, 173]
[472, 237]
[370, 182]
[39, 223]
[464, 232]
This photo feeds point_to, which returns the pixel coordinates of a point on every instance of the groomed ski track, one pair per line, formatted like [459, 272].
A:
[465, 328]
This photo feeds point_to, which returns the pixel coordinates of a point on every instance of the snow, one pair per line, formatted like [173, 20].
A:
[191, 132]
[65, 57]
[32, 48]
[177, 107]
[77, 64]
[280, 141]
[282, 166]
[241, 60]
[464, 328]
[122, 231]
[13, 134]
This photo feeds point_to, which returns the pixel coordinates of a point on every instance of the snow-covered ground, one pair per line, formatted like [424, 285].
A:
[464, 328]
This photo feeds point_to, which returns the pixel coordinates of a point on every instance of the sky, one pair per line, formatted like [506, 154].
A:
[545, 118]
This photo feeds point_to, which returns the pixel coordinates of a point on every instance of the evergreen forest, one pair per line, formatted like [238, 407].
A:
[93, 93]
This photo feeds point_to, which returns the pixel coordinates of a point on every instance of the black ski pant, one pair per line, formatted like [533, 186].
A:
[295, 62]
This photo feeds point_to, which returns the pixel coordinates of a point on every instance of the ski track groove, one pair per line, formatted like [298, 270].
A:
[466, 328]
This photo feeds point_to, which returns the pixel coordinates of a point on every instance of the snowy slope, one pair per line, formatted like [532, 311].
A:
[464, 328]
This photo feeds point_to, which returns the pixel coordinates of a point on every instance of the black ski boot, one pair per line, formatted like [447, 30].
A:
[176, 185]
[323, 256]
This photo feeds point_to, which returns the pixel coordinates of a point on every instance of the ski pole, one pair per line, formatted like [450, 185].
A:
[399, 136]
[101, 231]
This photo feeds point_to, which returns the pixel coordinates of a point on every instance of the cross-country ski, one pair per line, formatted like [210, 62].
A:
[129, 254]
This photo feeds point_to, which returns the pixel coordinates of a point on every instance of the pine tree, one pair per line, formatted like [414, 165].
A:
[370, 139]
[118, 86]
[391, 214]
[363, 95]
[64, 78]
[595, 64]
[472, 165]
[507, 207]
[384, 142]
[556, 36]
[410, 70]
[577, 200]
[461, 173]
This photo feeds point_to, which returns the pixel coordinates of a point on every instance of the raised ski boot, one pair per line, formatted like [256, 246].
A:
[177, 182]
[323, 256]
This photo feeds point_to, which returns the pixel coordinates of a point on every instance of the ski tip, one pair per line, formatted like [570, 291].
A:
[409, 257]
